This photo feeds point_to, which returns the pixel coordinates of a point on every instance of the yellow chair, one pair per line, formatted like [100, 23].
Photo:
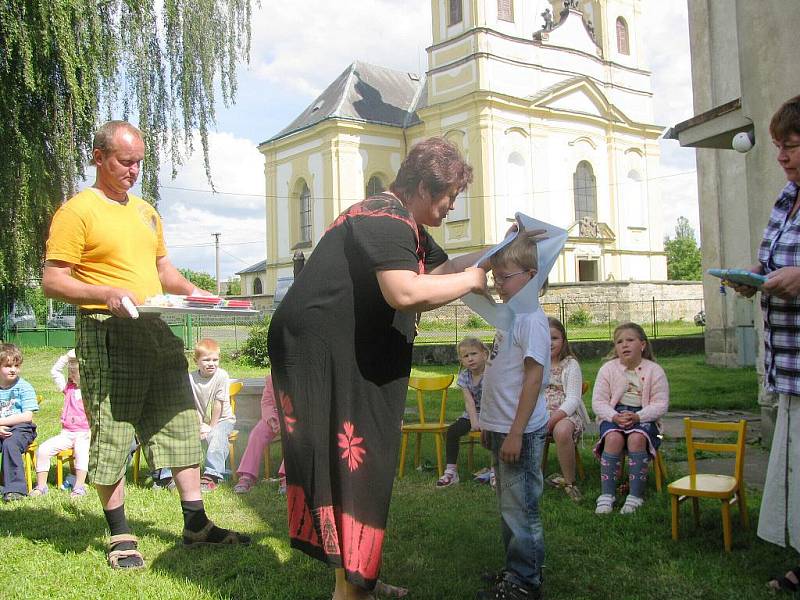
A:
[29, 458]
[578, 462]
[433, 385]
[268, 455]
[727, 489]
[65, 456]
[234, 389]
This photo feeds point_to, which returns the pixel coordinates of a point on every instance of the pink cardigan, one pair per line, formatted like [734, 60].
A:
[611, 385]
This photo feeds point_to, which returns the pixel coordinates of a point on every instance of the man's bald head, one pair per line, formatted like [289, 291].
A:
[104, 136]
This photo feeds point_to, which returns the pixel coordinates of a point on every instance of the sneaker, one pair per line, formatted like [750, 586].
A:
[605, 504]
[506, 590]
[632, 504]
[78, 492]
[13, 497]
[207, 483]
[39, 491]
[449, 478]
[571, 490]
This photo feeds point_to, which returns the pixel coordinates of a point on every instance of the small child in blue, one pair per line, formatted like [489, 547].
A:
[17, 431]
[473, 355]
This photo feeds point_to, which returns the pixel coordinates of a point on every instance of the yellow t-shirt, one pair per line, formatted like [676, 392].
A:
[108, 243]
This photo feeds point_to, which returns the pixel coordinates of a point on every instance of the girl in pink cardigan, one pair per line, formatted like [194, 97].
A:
[630, 396]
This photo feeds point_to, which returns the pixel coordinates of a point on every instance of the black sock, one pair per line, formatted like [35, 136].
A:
[194, 515]
[116, 520]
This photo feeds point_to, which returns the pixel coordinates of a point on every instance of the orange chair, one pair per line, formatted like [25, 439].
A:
[578, 462]
[725, 488]
[433, 385]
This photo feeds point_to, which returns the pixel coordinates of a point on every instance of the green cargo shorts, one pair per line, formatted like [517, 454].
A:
[134, 379]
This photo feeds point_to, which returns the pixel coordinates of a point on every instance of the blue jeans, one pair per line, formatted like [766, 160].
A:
[217, 453]
[519, 491]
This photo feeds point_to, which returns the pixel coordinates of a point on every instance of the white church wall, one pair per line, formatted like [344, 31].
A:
[317, 188]
[283, 175]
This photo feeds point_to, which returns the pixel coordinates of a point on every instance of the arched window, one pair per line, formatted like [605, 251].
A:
[305, 213]
[455, 12]
[375, 186]
[505, 10]
[585, 190]
[257, 287]
[623, 45]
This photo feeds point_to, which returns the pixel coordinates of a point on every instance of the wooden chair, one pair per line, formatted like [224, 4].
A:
[234, 389]
[433, 385]
[725, 488]
[578, 462]
[268, 455]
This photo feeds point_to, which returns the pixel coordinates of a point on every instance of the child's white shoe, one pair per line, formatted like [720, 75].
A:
[449, 478]
[632, 503]
[605, 504]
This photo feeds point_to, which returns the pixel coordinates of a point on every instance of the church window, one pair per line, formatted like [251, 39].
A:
[305, 214]
[623, 44]
[257, 287]
[455, 12]
[374, 186]
[585, 190]
[505, 10]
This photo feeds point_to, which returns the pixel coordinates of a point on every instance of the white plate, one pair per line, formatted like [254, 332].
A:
[190, 310]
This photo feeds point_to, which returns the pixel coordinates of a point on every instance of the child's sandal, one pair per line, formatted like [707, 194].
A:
[78, 492]
[571, 490]
[129, 558]
[244, 485]
[38, 492]
[784, 584]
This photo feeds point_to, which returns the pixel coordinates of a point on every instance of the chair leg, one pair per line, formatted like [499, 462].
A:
[657, 469]
[726, 525]
[29, 463]
[696, 511]
[545, 454]
[137, 456]
[662, 464]
[439, 457]
[232, 459]
[743, 516]
[418, 450]
[471, 456]
[579, 464]
[59, 471]
[674, 505]
[403, 447]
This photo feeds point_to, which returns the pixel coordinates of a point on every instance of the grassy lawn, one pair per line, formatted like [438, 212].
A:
[438, 541]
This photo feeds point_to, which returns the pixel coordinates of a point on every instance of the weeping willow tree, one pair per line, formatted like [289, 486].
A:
[67, 65]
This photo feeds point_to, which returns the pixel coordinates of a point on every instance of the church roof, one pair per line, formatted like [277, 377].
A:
[259, 266]
[364, 92]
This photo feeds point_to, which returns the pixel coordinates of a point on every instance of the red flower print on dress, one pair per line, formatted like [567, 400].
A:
[352, 451]
[288, 410]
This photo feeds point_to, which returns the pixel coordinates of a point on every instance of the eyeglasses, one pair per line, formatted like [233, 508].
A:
[501, 279]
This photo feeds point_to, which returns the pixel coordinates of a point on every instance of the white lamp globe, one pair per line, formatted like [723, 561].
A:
[743, 142]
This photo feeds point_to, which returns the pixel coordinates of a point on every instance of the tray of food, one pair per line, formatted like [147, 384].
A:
[196, 305]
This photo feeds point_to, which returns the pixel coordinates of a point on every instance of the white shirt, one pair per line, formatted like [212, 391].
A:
[502, 379]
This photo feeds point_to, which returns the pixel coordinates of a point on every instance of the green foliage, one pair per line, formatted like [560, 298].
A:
[683, 255]
[254, 351]
[235, 287]
[580, 318]
[202, 280]
[66, 65]
[476, 322]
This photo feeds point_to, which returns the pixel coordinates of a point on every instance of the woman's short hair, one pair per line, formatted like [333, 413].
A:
[786, 121]
[437, 164]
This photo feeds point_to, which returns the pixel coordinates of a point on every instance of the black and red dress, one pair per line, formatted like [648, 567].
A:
[341, 357]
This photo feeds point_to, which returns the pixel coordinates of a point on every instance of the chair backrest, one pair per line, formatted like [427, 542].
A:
[439, 384]
[736, 447]
[234, 388]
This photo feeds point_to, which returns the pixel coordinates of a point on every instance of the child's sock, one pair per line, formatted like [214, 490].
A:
[195, 518]
[609, 467]
[638, 466]
[452, 468]
[117, 522]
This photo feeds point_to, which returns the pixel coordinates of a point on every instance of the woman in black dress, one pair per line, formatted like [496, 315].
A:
[340, 346]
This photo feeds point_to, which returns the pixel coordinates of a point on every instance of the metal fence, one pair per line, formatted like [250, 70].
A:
[449, 324]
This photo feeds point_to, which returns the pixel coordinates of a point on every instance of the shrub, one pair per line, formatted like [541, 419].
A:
[476, 322]
[254, 351]
[580, 318]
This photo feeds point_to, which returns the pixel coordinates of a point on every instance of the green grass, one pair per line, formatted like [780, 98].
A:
[438, 541]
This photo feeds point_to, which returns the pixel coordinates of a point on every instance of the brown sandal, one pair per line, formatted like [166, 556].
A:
[192, 539]
[114, 556]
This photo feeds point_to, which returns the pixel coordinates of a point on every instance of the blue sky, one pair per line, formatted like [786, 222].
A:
[298, 48]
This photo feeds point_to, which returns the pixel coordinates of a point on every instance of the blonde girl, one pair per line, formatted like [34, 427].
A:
[567, 416]
[473, 355]
[630, 396]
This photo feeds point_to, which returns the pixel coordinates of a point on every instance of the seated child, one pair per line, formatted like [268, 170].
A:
[17, 430]
[630, 396]
[260, 437]
[473, 354]
[75, 432]
[567, 417]
[210, 385]
[513, 423]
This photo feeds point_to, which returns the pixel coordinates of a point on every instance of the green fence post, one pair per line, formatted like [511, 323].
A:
[187, 340]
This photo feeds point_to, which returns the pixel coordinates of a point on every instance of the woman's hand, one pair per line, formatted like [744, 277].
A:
[478, 282]
[783, 283]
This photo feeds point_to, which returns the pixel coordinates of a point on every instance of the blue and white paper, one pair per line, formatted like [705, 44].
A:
[526, 300]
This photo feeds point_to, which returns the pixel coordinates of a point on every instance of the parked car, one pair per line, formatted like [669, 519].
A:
[62, 319]
[21, 316]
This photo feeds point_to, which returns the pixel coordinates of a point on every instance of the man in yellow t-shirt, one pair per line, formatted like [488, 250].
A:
[107, 245]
